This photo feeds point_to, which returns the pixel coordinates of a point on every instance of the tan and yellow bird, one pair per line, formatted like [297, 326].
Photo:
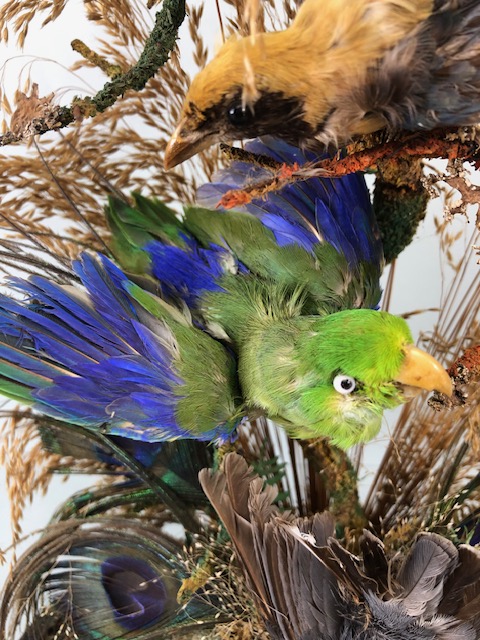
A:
[343, 68]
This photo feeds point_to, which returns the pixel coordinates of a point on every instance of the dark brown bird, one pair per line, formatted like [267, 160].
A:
[343, 68]
[308, 587]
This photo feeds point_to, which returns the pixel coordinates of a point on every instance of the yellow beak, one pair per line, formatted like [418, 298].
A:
[185, 143]
[421, 370]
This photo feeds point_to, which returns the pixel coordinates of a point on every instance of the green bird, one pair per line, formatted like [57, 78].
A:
[217, 316]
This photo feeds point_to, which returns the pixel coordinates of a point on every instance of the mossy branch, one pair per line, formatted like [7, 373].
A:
[340, 482]
[155, 54]
[111, 70]
[439, 143]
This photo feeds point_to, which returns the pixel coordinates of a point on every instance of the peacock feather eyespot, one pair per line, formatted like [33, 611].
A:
[137, 593]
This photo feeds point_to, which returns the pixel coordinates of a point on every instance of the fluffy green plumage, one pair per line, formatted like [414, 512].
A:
[203, 399]
[362, 344]
[324, 276]
[288, 362]
[288, 357]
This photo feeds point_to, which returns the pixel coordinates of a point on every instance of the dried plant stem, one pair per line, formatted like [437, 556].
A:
[155, 54]
[428, 473]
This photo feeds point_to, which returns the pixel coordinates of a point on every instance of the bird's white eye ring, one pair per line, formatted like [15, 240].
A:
[344, 384]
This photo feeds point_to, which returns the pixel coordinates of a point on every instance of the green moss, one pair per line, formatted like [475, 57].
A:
[398, 210]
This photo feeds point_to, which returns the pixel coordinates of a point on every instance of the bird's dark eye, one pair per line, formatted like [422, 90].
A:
[344, 384]
[240, 115]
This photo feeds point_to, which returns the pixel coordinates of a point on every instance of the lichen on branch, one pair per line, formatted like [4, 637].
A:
[155, 54]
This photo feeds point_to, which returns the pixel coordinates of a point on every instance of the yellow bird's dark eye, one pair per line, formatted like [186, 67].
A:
[240, 115]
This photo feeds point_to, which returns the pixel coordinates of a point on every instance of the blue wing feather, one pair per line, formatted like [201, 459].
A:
[309, 212]
[103, 362]
[94, 362]
[187, 271]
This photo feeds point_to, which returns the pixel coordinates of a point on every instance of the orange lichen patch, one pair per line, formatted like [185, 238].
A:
[234, 198]
[288, 170]
[431, 146]
[463, 372]
[469, 361]
[409, 148]
[239, 197]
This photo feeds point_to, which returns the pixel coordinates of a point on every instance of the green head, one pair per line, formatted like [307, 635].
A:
[343, 371]
[355, 357]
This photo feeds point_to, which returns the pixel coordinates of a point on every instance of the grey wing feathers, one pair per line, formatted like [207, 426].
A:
[307, 586]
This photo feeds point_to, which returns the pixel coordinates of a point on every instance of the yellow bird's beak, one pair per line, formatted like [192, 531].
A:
[185, 143]
[422, 371]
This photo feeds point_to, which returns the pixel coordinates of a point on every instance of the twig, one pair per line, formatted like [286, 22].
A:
[433, 145]
[463, 372]
[111, 70]
[155, 54]
[237, 154]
